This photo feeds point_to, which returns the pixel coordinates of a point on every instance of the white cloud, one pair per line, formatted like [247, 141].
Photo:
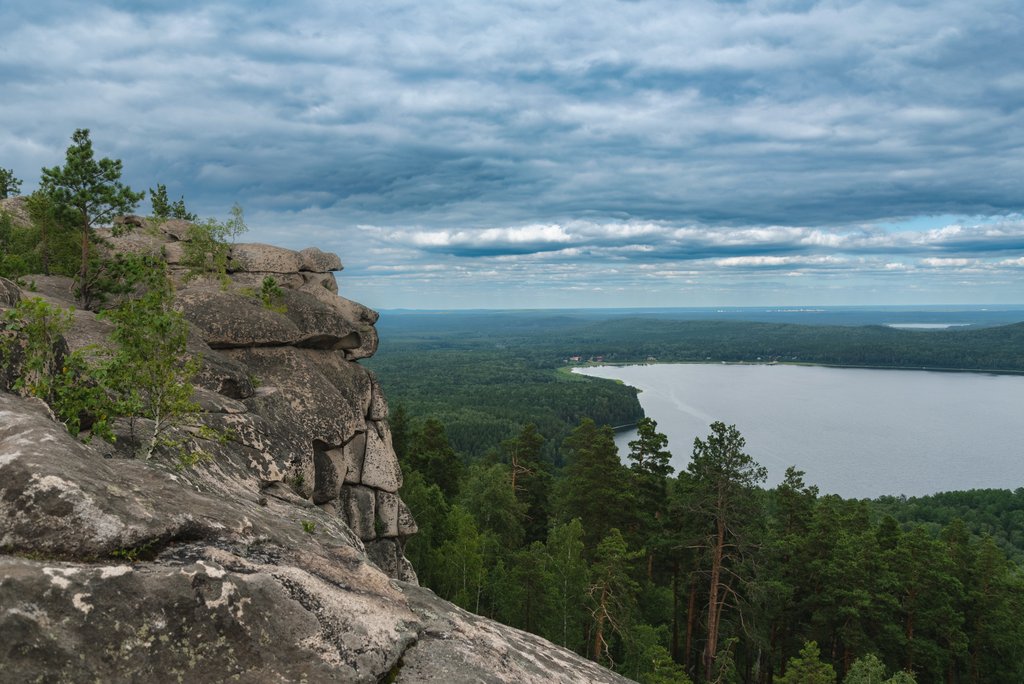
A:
[947, 262]
[774, 261]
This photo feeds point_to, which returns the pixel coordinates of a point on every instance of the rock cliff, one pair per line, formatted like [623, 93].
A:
[279, 559]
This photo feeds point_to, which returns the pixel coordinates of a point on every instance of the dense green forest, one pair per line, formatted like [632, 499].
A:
[485, 374]
[486, 395]
[527, 514]
[553, 337]
[706, 575]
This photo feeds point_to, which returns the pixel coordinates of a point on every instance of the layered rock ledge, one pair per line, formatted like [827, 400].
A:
[281, 558]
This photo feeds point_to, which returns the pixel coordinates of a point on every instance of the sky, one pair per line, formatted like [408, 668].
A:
[538, 154]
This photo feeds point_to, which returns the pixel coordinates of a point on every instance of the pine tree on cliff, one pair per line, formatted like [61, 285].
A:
[90, 193]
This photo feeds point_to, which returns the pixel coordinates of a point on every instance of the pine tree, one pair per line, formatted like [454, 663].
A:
[9, 185]
[593, 488]
[807, 668]
[530, 478]
[649, 472]
[91, 193]
[612, 594]
[724, 479]
[432, 454]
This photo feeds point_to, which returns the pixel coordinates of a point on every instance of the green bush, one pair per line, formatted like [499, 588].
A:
[207, 252]
[271, 295]
[32, 350]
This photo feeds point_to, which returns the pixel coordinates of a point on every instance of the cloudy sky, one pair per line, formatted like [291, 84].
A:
[558, 154]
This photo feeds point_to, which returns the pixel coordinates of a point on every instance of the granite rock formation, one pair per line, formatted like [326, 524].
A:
[279, 559]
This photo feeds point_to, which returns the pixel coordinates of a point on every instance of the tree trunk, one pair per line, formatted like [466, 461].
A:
[910, 642]
[714, 608]
[514, 471]
[675, 611]
[83, 273]
[44, 243]
[599, 627]
[691, 620]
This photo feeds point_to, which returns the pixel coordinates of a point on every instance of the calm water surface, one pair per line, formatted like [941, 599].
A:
[857, 433]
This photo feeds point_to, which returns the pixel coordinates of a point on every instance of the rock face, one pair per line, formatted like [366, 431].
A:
[292, 364]
[281, 558]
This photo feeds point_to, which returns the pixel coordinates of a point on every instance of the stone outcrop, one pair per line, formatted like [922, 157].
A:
[278, 559]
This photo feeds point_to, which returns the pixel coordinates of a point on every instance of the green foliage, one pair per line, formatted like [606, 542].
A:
[571, 580]
[88, 193]
[47, 245]
[205, 252]
[56, 240]
[530, 476]
[485, 384]
[9, 185]
[235, 226]
[429, 508]
[869, 669]
[133, 554]
[308, 526]
[649, 471]
[206, 248]
[32, 350]
[592, 487]
[145, 375]
[189, 458]
[807, 668]
[998, 513]
[430, 453]
[486, 492]
[612, 594]
[17, 249]
[159, 201]
[461, 560]
[663, 670]
[649, 451]
[150, 371]
[272, 295]
[163, 208]
[33, 329]
[720, 462]
[791, 567]
[928, 592]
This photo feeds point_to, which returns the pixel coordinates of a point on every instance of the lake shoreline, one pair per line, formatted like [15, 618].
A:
[807, 364]
[859, 435]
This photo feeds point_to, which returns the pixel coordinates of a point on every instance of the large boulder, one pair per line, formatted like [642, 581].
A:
[228, 320]
[255, 257]
[316, 261]
[17, 208]
[316, 395]
[10, 294]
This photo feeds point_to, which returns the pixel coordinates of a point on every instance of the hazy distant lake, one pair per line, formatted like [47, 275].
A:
[857, 433]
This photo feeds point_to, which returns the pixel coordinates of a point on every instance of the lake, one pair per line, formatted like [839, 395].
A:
[855, 432]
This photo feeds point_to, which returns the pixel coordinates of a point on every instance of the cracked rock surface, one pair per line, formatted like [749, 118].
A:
[280, 559]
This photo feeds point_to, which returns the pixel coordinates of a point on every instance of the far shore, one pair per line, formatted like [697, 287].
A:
[934, 369]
